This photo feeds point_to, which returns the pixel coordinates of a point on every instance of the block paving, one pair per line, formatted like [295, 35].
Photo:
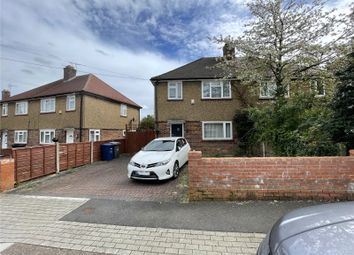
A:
[35, 220]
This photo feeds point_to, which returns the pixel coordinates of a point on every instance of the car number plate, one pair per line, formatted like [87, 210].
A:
[143, 173]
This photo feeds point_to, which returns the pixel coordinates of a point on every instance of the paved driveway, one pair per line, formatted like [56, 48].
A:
[104, 179]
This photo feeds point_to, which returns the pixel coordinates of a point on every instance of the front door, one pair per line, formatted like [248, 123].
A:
[4, 140]
[69, 136]
[176, 130]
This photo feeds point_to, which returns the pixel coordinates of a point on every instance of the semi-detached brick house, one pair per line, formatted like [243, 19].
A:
[195, 101]
[72, 109]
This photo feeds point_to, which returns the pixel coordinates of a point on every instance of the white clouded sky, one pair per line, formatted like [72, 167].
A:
[123, 42]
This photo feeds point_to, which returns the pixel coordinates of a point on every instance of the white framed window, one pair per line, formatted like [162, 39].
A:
[217, 130]
[21, 108]
[48, 105]
[267, 89]
[20, 136]
[123, 110]
[175, 90]
[216, 89]
[70, 103]
[318, 87]
[94, 135]
[46, 136]
[5, 109]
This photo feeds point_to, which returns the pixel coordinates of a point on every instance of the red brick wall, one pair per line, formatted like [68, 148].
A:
[326, 178]
[193, 134]
[7, 178]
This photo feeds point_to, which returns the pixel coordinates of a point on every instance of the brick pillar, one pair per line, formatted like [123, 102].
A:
[351, 153]
[194, 169]
[7, 174]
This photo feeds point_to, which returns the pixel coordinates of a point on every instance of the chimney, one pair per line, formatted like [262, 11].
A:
[69, 72]
[228, 51]
[5, 94]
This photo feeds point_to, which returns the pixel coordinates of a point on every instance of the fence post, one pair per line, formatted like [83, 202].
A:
[91, 152]
[57, 157]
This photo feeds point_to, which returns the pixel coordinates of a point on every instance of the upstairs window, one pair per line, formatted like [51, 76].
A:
[175, 90]
[5, 110]
[48, 105]
[20, 136]
[267, 89]
[95, 135]
[70, 103]
[21, 108]
[216, 89]
[318, 88]
[217, 130]
[46, 136]
[123, 110]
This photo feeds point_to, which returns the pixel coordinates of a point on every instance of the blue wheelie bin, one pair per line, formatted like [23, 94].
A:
[107, 151]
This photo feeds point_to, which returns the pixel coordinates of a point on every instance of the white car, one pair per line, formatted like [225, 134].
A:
[160, 159]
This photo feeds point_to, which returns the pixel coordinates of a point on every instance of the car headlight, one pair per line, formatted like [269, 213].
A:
[162, 163]
[131, 162]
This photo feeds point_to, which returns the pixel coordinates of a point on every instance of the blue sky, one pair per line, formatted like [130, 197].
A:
[123, 42]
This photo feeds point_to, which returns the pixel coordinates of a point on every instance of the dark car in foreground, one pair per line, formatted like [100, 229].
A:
[322, 229]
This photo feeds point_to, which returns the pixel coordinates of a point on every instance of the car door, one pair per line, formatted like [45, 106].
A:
[183, 151]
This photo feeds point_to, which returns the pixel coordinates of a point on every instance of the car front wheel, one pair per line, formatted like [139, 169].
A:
[175, 170]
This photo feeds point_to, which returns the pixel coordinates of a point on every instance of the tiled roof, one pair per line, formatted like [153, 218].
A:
[203, 68]
[85, 83]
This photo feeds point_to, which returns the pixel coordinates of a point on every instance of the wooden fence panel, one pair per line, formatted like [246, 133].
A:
[87, 153]
[63, 157]
[22, 165]
[137, 140]
[34, 162]
[49, 164]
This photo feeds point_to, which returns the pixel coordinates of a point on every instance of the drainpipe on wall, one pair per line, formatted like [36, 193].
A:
[81, 117]
[155, 83]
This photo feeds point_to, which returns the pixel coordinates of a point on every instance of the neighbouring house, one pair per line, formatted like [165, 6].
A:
[196, 102]
[72, 109]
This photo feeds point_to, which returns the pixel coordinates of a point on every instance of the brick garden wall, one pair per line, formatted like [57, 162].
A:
[7, 178]
[319, 178]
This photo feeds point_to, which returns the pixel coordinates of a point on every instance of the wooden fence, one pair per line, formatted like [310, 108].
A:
[136, 140]
[33, 162]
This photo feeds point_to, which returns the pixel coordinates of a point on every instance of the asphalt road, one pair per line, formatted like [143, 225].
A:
[249, 216]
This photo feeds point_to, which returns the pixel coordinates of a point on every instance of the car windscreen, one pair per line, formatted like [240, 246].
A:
[160, 145]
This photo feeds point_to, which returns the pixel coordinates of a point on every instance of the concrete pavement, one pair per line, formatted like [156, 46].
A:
[35, 221]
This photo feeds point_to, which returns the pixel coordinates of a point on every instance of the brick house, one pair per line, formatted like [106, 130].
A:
[196, 102]
[72, 109]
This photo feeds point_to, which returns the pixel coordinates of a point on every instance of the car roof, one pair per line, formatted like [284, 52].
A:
[310, 218]
[169, 138]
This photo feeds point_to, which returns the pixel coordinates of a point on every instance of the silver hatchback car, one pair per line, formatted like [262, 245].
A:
[322, 229]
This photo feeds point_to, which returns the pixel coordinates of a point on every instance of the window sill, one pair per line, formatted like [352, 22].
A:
[25, 114]
[46, 112]
[219, 98]
[124, 116]
[70, 110]
[171, 99]
[4, 115]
